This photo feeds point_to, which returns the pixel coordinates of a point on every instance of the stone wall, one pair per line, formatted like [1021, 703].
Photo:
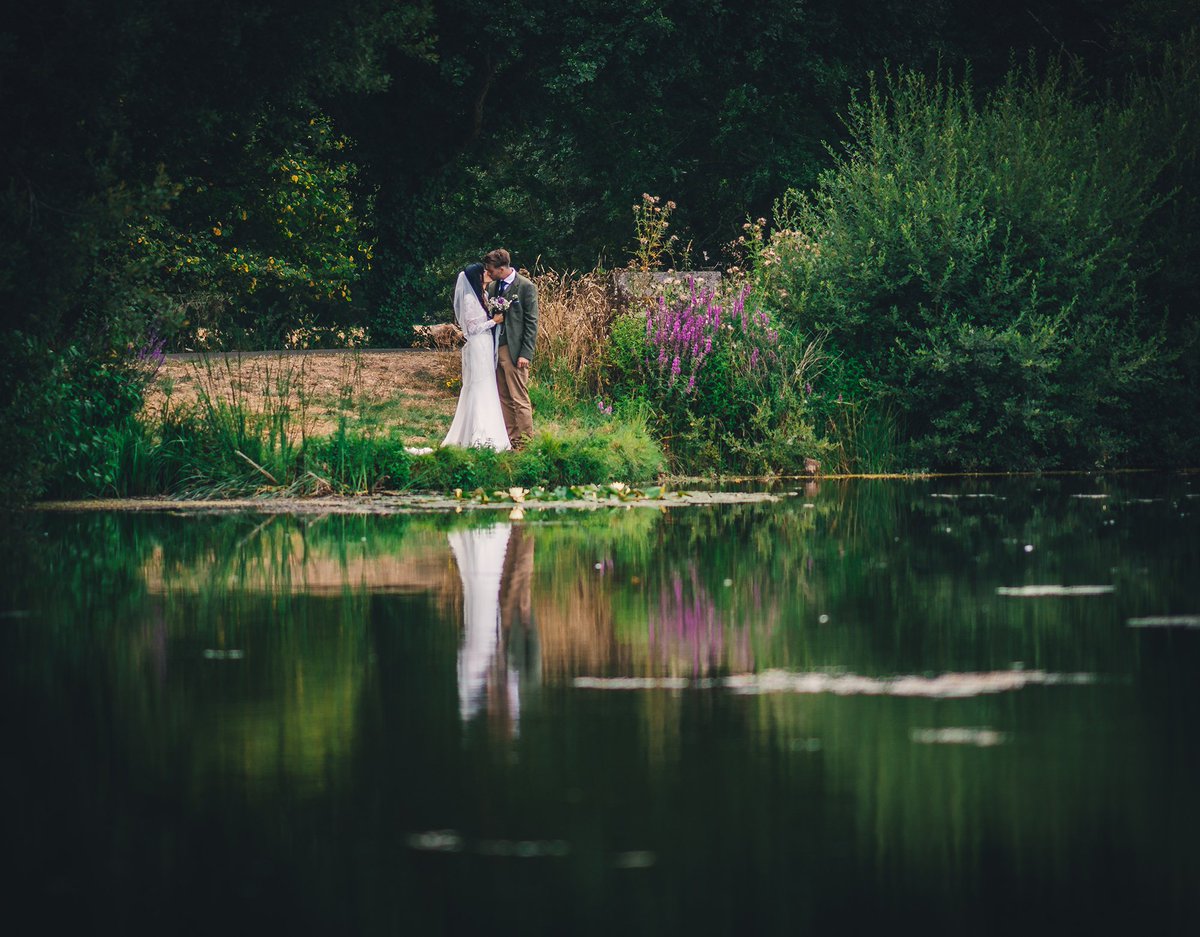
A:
[629, 284]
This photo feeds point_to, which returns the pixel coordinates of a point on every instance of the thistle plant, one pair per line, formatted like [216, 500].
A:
[651, 222]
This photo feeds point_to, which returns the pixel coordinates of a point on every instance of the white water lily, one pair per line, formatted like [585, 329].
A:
[618, 487]
[517, 494]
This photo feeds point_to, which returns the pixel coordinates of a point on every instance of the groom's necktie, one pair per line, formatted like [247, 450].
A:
[501, 338]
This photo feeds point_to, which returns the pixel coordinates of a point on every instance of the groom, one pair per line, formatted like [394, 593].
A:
[518, 334]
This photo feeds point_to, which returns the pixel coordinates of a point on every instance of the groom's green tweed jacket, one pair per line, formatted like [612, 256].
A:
[521, 319]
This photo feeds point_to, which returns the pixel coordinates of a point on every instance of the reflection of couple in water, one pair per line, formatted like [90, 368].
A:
[499, 659]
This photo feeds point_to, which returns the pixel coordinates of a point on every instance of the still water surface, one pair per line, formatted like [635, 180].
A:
[869, 706]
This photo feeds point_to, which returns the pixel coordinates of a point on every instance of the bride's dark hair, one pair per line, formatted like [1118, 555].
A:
[474, 274]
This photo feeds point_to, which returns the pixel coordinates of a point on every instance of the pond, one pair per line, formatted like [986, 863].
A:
[963, 704]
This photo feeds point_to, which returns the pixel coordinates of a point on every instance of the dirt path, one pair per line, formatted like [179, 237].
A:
[321, 385]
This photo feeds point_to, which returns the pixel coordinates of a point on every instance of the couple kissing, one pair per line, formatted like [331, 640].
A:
[497, 309]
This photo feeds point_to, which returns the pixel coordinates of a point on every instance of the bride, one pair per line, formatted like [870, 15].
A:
[478, 420]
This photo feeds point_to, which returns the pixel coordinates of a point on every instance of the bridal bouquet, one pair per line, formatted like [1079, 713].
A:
[499, 304]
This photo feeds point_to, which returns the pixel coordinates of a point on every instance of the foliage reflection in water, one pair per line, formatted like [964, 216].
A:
[926, 701]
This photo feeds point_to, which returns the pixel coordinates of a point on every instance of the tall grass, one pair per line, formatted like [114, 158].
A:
[574, 314]
[866, 437]
[267, 435]
[245, 436]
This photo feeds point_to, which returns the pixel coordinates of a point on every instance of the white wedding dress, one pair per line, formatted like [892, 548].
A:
[478, 420]
[479, 553]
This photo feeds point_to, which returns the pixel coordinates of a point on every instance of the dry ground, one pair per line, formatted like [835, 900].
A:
[414, 389]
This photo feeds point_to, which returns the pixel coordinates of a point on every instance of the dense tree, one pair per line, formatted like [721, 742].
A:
[537, 124]
[132, 132]
[109, 107]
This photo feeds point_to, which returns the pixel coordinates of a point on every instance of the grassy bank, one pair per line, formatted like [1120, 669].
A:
[221, 426]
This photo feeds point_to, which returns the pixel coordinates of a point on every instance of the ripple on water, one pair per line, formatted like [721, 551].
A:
[453, 842]
[953, 685]
[1036, 592]
[436, 841]
[634, 859]
[979, 736]
[1165, 621]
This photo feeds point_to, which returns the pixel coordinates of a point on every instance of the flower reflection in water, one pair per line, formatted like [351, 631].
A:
[689, 633]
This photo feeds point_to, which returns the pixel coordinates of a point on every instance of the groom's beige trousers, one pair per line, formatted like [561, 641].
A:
[513, 384]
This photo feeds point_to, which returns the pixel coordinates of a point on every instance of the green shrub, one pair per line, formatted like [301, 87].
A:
[28, 411]
[94, 431]
[392, 463]
[625, 354]
[359, 461]
[616, 453]
[976, 271]
[457, 467]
